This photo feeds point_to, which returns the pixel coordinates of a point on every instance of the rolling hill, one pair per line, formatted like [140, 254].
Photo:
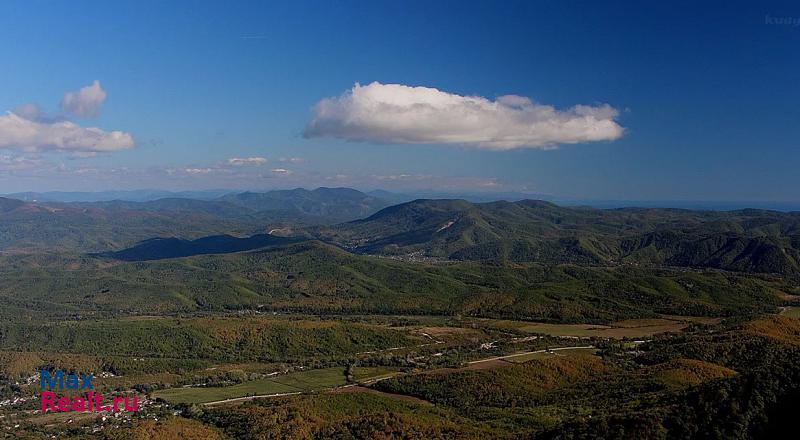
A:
[35, 227]
[113, 225]
[7, 205]
[537, 231]
[162, 248]
[298, 206]
[317, 278]
[332, 204]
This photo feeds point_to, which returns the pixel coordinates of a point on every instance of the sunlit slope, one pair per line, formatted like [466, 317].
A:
[314, 277]
[537, 231]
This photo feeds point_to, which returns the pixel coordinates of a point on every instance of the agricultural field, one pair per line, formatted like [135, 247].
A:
[547, 354]
[632, 328]
[303, 381]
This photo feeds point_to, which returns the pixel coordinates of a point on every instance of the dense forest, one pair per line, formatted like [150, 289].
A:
[329, 314]
[537, 231]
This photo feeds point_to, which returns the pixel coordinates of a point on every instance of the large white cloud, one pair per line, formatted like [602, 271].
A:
[20, 133]
[399, 114]
[86, 101]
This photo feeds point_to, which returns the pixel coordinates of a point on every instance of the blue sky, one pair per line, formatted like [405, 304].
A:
[705, 98]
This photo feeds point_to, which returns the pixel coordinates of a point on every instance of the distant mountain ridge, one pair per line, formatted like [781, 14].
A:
[77, 228]
[142, 195]
[321, 205]
[539, 231]
[525, 231]
[340, 204]
[108, 225]
[335, 203]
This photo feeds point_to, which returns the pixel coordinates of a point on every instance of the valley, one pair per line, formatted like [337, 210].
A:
[326, 313]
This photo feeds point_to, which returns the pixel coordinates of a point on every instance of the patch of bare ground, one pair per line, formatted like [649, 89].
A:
[447, 331]
[790, 311]
[494, 363]
[693, 319]
[788, 297]
[51, 419]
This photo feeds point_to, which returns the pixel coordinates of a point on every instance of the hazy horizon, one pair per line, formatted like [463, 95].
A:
[149, 194]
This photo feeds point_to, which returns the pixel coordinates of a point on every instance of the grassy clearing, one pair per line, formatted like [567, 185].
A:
[289, 383]
[634, 328]
[361, 374]
[549, 355]
[791, 312]
[693, 319]
[449, 334]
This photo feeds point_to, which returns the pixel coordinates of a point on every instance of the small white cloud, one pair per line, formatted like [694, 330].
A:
[281, 171]
[294, 160]
[400, 114]
[340, 177]
[18, 163]
[428, 181]
[198, 170]
[20, 133]
[488, 183]
[240, 161]
[86, 101]
[29, 128]
[83, 154]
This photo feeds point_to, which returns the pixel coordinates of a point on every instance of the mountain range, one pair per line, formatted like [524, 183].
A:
[112, 225]
[526, 231]
[538, 231]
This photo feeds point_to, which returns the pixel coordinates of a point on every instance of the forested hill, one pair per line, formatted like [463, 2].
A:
[113, 225]
[318, 206]
[7, 205]
[536, 231]
[171, 247]
[749, 240]
[34, 227]
[332, 203]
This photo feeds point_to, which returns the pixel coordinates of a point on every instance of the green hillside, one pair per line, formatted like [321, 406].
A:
[115, 225]
[313, 277]
[536, 231]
